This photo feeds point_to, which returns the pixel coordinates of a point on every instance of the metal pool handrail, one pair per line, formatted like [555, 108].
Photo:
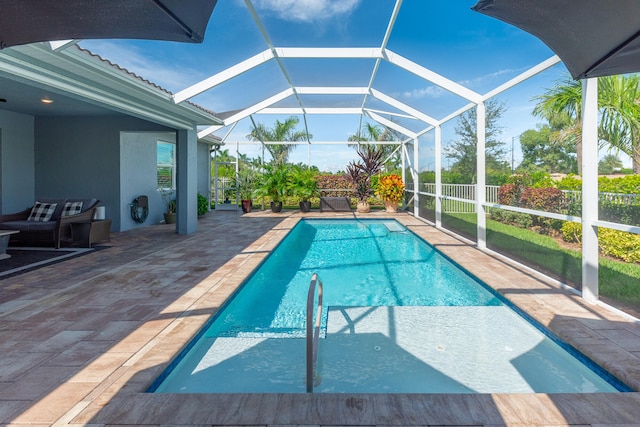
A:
[312, 336]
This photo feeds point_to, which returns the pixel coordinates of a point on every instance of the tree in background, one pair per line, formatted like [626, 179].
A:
[618, 102]
[223, 156]
[282, 131]
[390, 154]
[609, 164]
[619, 123]
[539, 154]
[563, 104]
[463, 150]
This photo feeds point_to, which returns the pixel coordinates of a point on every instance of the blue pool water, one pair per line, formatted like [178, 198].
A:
[399, 317]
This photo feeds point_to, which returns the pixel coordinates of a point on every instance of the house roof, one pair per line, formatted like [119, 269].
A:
[83, 83]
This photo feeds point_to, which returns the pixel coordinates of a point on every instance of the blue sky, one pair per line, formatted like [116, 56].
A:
[448, 38]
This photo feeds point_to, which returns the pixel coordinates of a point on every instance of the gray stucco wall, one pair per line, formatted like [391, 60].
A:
[204, 174]
[138, 161]
[80, 157]
[17, 162]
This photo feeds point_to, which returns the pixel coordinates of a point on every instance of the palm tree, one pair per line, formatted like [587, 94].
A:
[370, 132]
[282, 131]
[619, 100]
[223, 156]
[619, 124]
[563, 104]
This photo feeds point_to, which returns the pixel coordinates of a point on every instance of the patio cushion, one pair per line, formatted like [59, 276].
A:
[42, 211]
[29, 226]
[72, 208]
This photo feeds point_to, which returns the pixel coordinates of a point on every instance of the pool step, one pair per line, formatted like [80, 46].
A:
[393, 350]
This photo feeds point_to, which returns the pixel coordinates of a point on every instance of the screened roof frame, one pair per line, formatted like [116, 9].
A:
[268, 106]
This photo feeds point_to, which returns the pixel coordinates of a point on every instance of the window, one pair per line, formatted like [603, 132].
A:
[166, 165]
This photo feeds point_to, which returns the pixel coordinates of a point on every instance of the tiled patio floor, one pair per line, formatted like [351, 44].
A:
[80, 341]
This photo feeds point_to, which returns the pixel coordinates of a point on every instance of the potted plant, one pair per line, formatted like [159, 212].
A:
[203, 205]
[304, 186]
[169, 200]
[246, 181]
[390, 189]
[274, 184]
[360, 173]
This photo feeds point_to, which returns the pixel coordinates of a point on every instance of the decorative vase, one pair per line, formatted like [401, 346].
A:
[170, 218]
[390, 206]
[305, 206]
[247, 205]
[363, 207]
[276, 207]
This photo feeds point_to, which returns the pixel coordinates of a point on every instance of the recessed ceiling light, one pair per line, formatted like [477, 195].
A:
[46, 101]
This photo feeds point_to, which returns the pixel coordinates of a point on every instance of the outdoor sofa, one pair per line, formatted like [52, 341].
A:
[48, 220]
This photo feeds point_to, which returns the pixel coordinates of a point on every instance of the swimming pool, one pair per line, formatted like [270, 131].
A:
[400, 318]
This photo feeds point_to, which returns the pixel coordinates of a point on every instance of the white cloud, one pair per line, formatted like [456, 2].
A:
[437, 91]
[471, 83]
[425, 92]
[307, 10]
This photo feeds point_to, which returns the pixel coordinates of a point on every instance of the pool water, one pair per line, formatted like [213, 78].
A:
[399, 318]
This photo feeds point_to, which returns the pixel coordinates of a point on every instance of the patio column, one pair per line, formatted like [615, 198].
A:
[590, 189]
[416, 179]
[481, 189]
[187, 181]
[403, 152]
[438, 166]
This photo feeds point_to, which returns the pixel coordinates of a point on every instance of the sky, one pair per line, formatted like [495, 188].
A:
[448, 38]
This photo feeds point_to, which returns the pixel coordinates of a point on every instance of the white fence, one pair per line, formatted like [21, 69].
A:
[455, 194]
[461, 192]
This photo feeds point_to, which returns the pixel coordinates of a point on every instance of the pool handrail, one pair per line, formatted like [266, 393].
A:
[313, 335]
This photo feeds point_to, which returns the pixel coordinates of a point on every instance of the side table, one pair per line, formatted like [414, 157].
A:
[88, 233]
[4, 242]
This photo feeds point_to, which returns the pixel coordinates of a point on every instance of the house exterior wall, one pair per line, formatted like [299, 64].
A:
[17, 162]
[138, 172]
[204, 173]
[81, 157]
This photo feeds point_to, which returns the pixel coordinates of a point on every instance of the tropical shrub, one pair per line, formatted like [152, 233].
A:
[619, 244]
[547, 200]
[543, 199]
[570, 182]
[246, 181]
[509, 194]
[390, 188]
[360, 172]
[203, 204]
[274, 183]
[572, 232]
[303, 183]
[613, 243]
[334, 182]
[169, 200]
[518, 219]
[629, 184]
[614, 209]
[532, 179]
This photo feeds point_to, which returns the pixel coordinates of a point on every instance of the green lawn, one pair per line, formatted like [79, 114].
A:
[618, 281]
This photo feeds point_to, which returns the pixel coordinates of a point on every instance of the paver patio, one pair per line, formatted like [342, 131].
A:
[83, 339]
